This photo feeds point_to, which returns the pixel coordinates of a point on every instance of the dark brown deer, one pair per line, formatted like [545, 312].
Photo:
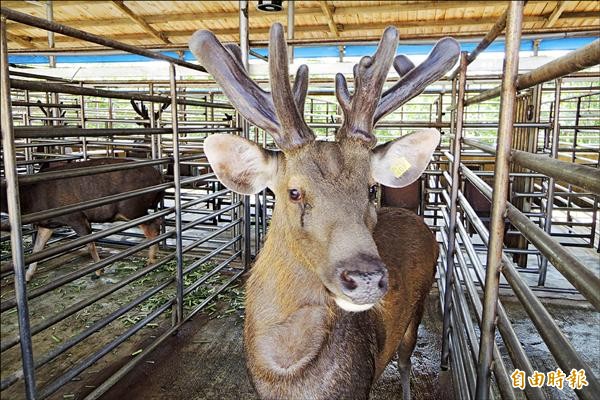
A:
[339, 286]
[142, 111]
[47, 195]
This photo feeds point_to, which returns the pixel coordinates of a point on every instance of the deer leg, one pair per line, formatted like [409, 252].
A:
[82, 227]
[405, 350]
[42, 237]
[152, 230]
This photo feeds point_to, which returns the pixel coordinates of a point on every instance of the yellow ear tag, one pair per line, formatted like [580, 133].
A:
[400, 166]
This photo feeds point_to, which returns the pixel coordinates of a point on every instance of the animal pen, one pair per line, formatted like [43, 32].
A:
[515, 213]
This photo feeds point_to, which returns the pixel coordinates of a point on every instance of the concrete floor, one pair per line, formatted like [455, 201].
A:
[204, 361]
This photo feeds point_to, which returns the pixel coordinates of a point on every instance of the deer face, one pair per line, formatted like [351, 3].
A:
[324, 213]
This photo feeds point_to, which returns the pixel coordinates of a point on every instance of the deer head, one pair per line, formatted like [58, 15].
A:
[324, 212]
[142, 111]
[48, 113]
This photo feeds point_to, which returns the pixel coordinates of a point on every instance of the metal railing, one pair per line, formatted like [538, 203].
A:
[204, 248]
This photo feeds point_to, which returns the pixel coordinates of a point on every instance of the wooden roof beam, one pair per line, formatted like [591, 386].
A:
[332, 26]
[330, 21]
[560, 7]
[183, 35]
[181, 43]
[140, 21]
[22, 41]
[309, 11]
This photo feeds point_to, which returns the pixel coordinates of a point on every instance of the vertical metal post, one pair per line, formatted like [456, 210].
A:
[110, 149]
[50, 17]
[14, 217]
[494, 258]
[573, 158]
[244, 33]
[457, 148]
[246, 218]
[177, 181]
[27, 121]
[82, 122]
[153, 151]
[290, 30]
[551, 181]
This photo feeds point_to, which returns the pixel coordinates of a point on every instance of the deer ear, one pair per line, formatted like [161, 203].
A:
[400, 162]
[240, 164]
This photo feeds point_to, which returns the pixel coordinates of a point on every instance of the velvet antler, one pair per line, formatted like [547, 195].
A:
[281, 112]
[367, 104]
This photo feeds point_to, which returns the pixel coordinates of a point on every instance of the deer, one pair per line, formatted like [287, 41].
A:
[144, 120]
[46, 195]
[339, 287]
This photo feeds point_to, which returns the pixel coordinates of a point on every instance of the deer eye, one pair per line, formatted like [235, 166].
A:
[372, 192]
[295, 194]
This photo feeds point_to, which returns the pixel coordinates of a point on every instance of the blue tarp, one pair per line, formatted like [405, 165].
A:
[312, 52]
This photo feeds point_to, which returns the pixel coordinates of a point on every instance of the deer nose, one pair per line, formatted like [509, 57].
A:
[366, 284]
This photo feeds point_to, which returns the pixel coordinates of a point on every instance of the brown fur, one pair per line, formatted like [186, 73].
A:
[299, 343]
[47, 195]
[308, 334]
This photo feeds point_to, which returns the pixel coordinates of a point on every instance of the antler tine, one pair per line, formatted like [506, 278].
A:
[235, 51]
[249, 99]
[144, 110]
[280, 114]
[443, 56]
[402, 65]
[300, 88]
[369, 76]
[39, 103]
[292, 122]
[300, 82]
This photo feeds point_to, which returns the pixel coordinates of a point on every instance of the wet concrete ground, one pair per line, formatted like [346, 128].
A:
[204, 361]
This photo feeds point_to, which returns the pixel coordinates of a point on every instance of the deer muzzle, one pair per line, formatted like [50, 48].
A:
[363, 281]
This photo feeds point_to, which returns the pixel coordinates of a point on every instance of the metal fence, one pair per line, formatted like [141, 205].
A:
[470, 344]
[61, 324]
[209, 235]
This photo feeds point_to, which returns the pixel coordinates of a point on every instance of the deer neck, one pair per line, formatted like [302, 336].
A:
[283, 276]
[294, 332]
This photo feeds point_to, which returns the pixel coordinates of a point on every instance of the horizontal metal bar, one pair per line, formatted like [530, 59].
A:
[432, 124]
[45, 77]
[108, 383]
[40, 86]
[587, 178]
[559, 345]
[572, 269]
[74, 340]
[47, 160]
[17, 103]
[88, 37]
[88, 362]
[87, 171]
[56, 212]
[577, 60]
[35, 132]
